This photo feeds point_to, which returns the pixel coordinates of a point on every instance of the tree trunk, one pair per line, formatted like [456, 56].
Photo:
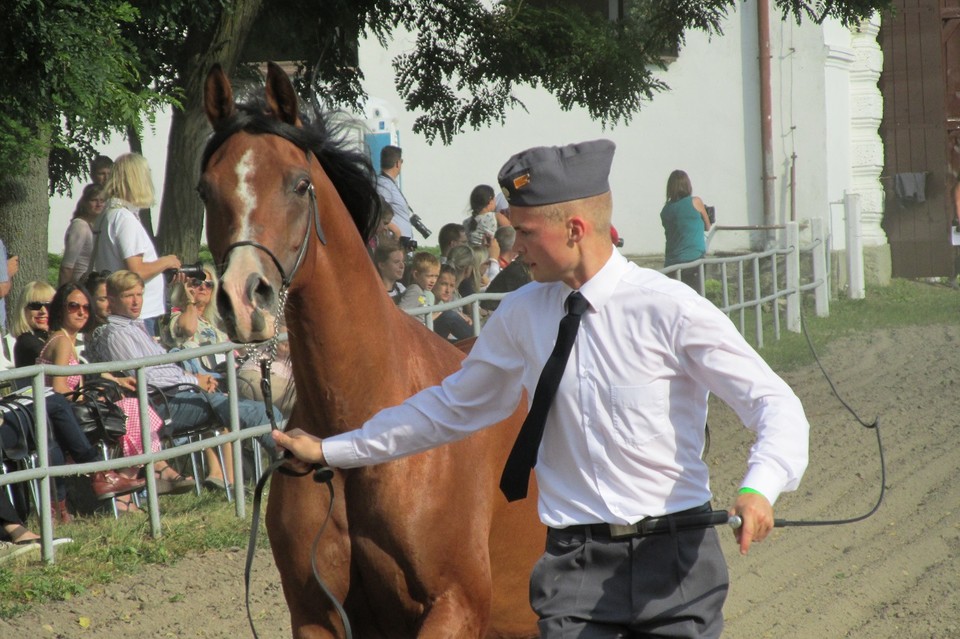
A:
[24, 219]
[181, 212]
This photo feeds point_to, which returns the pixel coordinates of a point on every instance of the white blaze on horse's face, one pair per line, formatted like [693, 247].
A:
[245, 195]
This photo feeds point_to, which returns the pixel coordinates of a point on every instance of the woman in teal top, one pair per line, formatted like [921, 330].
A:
[684, 219]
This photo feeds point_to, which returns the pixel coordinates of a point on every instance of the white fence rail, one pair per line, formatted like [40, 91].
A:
[748, 283]
[44, 472]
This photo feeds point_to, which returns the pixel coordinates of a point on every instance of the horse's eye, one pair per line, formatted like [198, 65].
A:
[302, 186]
[202, 192]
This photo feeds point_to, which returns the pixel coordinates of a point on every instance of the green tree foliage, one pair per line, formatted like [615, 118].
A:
[70, 78]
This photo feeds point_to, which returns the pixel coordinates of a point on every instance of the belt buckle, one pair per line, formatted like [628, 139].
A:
[619, 531]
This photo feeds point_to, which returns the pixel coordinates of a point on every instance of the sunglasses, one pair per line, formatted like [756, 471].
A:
[73, 307]
[36, 306]
[195, 283]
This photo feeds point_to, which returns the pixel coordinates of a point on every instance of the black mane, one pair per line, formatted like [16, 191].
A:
[350, 171]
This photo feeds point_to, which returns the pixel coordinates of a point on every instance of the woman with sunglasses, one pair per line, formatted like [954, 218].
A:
[194, 319]
[78, 240]
[69, 315]
[31, 323]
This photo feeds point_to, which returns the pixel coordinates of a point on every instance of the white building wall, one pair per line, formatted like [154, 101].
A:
[707, 125]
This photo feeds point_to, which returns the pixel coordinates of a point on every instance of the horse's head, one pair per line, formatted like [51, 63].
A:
[264, 186]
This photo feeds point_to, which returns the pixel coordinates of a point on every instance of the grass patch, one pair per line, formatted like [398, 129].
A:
[105, 549]
[903, 303]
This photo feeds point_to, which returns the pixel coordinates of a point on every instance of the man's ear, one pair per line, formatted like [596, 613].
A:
[576, 228]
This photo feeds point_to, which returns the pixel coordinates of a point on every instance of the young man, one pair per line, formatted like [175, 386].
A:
[125, 337]
[635, 359]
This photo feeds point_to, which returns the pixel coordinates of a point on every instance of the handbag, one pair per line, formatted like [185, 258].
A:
[97, 412]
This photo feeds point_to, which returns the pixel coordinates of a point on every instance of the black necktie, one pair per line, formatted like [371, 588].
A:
[523, 457]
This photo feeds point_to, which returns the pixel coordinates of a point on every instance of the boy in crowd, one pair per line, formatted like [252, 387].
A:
[425, 271]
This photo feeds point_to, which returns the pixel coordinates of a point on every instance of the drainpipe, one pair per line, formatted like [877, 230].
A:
[766, 120]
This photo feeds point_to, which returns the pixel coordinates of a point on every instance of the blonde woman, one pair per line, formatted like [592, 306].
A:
[31, 323]
[194, 319]
[121, 241]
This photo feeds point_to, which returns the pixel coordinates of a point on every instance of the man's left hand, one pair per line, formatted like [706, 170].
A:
[757, 515]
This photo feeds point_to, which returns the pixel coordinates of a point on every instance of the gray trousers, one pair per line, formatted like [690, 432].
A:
[663, 585]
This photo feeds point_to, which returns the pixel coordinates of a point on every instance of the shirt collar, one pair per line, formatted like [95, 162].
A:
[599, 288]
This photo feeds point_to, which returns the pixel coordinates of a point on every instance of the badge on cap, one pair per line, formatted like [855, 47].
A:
[521, 181]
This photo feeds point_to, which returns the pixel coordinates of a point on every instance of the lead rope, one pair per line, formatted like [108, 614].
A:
[321, 474]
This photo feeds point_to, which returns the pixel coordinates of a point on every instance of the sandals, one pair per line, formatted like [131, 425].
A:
[21, 536]
[170, 482]
[126, 504]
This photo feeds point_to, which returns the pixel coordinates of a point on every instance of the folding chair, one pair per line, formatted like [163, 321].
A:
[18, 410]
[171, 432]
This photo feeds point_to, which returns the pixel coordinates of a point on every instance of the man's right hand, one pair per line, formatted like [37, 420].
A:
[306, 449]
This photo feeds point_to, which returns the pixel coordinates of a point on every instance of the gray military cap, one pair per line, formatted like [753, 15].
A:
[550, 174]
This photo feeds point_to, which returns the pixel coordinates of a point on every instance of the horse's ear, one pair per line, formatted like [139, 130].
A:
[281, 98]
[218, 96]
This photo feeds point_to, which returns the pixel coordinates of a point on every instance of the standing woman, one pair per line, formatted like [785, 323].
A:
[684, 218]
[122, 243]
[78, 240]
[31, 323]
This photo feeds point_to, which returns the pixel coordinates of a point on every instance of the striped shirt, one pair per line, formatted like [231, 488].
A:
[122, 338]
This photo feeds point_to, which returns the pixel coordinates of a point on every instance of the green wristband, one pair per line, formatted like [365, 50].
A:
[749, 491]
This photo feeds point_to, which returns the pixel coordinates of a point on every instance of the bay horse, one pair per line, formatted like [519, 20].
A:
[425, 546]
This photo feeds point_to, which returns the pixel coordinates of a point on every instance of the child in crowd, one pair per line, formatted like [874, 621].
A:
[425, 270]
[452, 324]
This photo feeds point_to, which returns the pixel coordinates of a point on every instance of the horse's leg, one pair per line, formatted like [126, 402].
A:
[295, 513]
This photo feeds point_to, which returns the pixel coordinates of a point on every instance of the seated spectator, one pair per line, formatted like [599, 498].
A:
[387, 230]
[450, 235]
[68, 438]
[389, 260]
[515, 275]
[69, 314]
[506, 237]
[283, 392]
[194, 320]
[125, 337]
[95, 283]
[450, 324]
[78, 240]
[31, 323]
[425, 271]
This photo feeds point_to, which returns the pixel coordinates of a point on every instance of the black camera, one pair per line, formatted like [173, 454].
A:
[712, 214]
[194, 271]
[408, 244]
[420, 226]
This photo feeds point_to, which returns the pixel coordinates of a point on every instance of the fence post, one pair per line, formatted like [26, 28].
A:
[821, 294]
[851, 210]
[791, 240]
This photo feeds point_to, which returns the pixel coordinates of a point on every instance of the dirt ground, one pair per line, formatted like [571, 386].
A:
[893, 575]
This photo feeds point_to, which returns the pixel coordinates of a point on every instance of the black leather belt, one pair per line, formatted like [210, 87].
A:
[700, 517]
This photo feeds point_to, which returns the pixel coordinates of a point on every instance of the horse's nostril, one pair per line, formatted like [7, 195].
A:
[260, 292]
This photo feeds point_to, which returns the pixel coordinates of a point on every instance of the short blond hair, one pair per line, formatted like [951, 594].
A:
[423, 260]
[130, 181]
[120, 282]
[35, 291]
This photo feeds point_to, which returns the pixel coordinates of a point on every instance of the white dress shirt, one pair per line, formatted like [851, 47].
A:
[624, 435]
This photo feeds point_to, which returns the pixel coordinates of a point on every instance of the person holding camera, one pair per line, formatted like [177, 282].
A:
[121, 241]
[194, 319]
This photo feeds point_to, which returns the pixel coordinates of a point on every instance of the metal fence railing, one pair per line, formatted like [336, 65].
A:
[44, 472]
